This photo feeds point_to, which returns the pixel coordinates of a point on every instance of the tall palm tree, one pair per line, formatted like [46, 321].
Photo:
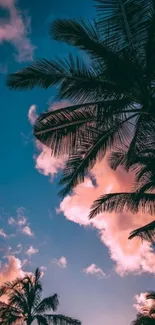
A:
[25, 305]
[112, 94]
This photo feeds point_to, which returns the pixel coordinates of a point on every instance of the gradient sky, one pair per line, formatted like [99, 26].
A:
[94, 286]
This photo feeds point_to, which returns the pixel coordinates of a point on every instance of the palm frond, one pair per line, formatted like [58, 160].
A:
[48, 303]
[146, 232]
[41, 319]
[118, 202]
[150, 295]
[124, 23]
[60, 129]
[46, 73]
[62, 320]
[90, 150]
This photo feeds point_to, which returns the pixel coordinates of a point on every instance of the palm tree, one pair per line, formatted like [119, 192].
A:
[112, 95]
[25, 305]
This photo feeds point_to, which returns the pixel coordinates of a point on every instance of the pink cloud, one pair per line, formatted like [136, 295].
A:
[61, 262]
[31, 251]
[10, 271]
[44, 162]
[15, 30]
[129, 256]
[142, 304]
[32, 114]
[93, 269]
[21, 222]
[47, 164]
[27, 231]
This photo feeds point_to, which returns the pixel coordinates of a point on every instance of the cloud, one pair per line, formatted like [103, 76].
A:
[47, 164]
[3, 234]
[129, 256]
[27, 231]
[61, 262]
[44, 162]
[93, 269]
[21, 223]
[10, 271]
[15, 30]
[17, 251]
[142, 304]
[32, 114]
[31, 251]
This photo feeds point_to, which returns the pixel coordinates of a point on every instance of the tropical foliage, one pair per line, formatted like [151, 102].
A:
[24, 304]
[112, 94]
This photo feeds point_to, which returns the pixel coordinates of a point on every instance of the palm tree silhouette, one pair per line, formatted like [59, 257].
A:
[112, 94]
[25, 305]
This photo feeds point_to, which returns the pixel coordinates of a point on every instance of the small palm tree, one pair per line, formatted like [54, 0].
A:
[25, 305]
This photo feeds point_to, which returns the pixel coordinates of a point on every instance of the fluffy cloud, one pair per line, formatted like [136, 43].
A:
[129, 256]
[31, 251]
[44, 162]
[61, 262]
[93, 269]
[15, 30]
[142, 304]
[11, 270]
[27, 231]
[47, 164]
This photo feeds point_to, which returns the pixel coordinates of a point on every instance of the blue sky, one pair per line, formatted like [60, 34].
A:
[91, 298]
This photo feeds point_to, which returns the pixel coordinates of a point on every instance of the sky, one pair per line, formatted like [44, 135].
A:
[98, 274]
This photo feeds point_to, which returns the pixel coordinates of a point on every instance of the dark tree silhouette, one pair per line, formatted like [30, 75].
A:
[112, 94]
[25, 304]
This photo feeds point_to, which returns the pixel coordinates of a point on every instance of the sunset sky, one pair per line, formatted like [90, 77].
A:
[95, 270]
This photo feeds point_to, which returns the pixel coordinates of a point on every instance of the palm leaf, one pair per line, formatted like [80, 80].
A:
[146, 232]
[87, 153]
[62, 320]
[123, 22]
[48, 303]
[41, 319]
[150, 295]
[60, 129]
[134, 202]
